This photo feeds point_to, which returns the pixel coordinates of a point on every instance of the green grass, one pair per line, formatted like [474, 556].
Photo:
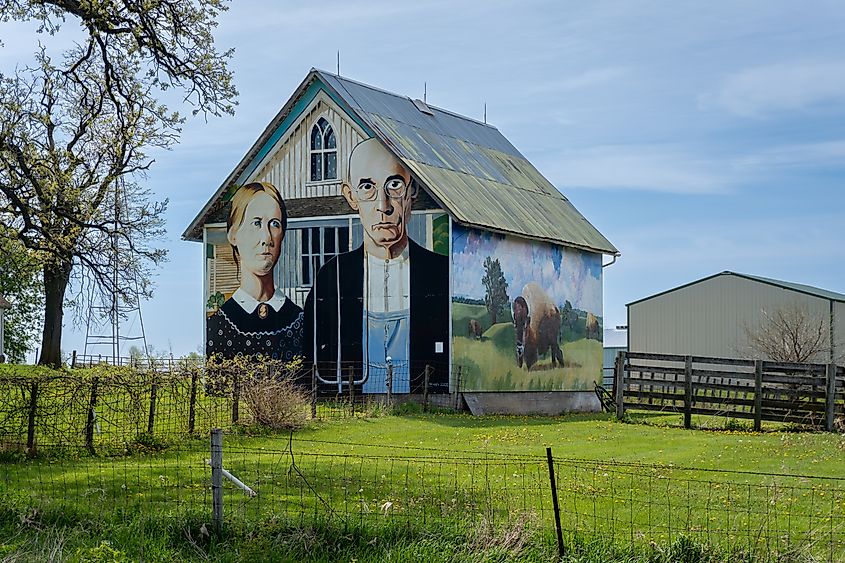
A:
[453, 497]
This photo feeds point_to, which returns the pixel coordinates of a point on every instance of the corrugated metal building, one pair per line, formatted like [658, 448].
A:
[712, 316]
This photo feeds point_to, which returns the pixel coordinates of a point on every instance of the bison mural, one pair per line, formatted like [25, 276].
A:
[592, 327]
[474, 329]
[536, 321]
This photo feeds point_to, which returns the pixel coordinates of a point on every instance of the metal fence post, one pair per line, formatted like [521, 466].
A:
[425, 387]
[236, 398]
[92, 414]
[830, 397]
[192, 405]
[352, 389]
[389, 383]
[30, 430]
[217, 479]
[758, 395]
[619, 384]
[558, 528]
[458, 389]
[313, 391]
[688, 392]
[153, 395]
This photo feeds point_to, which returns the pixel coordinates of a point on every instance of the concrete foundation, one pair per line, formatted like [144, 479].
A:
[532, 402]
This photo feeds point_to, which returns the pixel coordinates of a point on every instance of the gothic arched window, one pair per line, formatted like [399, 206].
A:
[323, 152]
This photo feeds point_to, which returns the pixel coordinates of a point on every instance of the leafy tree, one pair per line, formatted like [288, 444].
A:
[495, 288]
[74, 135]
[20, 284]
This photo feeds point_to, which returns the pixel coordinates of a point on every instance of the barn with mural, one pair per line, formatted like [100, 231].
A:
[390, 243]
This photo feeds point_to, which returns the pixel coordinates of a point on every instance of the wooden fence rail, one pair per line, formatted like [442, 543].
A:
[812, 394]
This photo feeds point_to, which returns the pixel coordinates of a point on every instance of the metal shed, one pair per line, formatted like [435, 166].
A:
[711, 316]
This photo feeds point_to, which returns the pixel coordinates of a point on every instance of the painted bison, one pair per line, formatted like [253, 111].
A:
[592, 327]
[536, 322]
[474, 329]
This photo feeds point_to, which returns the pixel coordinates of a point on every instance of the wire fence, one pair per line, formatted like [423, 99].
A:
[756, 515]
[101, 406]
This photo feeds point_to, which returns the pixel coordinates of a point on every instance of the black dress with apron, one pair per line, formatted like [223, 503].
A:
[274, 334]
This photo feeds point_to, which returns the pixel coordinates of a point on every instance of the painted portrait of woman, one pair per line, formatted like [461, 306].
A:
[258, 318]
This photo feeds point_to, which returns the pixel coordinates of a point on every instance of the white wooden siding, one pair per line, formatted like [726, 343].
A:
[288, 166]
[709, 318]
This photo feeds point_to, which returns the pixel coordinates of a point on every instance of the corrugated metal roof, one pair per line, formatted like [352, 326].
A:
[471, 168]
[801, 288]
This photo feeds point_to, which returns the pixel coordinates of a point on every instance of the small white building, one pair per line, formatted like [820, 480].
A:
[4, 305]
[712, 316]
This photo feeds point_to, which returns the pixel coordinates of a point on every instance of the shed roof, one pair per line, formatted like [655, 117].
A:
[469, 167]
[797, 287]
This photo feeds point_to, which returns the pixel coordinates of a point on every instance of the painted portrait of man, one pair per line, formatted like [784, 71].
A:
[386, 301]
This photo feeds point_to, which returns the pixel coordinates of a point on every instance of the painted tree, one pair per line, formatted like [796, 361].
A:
[495, 288]
[20, 284]
[75, 136]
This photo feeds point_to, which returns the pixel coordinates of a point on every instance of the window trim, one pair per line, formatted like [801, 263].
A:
[323, 152]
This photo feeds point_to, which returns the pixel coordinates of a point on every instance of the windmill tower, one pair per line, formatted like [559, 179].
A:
[116, 318]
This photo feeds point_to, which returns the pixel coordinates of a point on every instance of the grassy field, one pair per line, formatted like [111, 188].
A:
[489, 364]
[458, 488]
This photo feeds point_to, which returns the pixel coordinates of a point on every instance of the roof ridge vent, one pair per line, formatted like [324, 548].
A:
[422, 106]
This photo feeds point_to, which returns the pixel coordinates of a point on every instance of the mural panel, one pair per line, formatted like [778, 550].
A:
[257, 318]
[526, 316]
[386, 302]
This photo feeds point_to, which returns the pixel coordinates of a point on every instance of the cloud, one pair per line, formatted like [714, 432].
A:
[586, 79]
[782, 87]
[630, 167]
[811, 155]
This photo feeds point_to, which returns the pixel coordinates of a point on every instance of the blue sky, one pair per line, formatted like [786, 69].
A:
[698, 137]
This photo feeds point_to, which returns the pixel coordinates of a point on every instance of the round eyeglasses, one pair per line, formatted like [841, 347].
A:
[395, 188]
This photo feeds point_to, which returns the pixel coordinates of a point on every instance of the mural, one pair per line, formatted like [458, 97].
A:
[257, 318]
[387, 301]
[526, 316]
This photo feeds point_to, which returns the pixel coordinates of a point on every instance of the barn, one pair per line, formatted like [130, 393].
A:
[395, 245]
[720, 316]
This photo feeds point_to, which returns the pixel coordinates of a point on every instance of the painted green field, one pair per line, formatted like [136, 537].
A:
[445, 487]
[489, 364]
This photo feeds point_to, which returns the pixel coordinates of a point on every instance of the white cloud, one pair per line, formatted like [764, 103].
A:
[629, 167]
[587, 79]
[762, 90]
[823, 154]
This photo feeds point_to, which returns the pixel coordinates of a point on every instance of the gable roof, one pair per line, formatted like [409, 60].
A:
[468, 167]
[797, 287]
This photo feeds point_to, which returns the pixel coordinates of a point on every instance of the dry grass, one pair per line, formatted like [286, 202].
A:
[276, 403]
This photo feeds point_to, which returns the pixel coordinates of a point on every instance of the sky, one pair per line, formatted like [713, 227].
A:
[696, 136]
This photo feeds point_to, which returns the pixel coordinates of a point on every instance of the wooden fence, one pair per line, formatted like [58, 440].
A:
[811, 394]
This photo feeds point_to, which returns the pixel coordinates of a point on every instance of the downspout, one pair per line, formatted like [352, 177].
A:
[612, 262]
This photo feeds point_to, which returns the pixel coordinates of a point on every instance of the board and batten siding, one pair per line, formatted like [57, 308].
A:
[709, 318]
[288, 167]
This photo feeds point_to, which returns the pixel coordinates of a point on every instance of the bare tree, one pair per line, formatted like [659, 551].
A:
[790, 333]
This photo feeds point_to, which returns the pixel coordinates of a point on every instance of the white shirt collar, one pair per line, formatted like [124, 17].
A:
[250, 303]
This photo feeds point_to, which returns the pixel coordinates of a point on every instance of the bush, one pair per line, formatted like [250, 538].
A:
[276, 403]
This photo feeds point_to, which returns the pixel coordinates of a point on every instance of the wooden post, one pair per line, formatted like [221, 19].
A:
[192, 405]
[236, 399]
[619, 384]
[425, 387]
[152, 418]
[73, 360]
[830, 397]
[30, 429]
[313, 391]
[458, 389]
[688, 392]
[92, 417]
[560, 550]
[758, 395]
[217, 479]
[352, 389]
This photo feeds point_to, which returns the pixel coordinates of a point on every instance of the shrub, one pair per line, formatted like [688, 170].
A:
[276, 403]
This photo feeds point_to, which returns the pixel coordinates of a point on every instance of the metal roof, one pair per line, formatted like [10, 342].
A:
[800, 288]
[468, 166]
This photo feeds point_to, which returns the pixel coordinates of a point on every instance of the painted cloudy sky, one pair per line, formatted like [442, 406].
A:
[564, 274]
[697, 136]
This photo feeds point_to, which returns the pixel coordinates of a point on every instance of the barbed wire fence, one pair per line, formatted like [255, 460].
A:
[753, 515]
